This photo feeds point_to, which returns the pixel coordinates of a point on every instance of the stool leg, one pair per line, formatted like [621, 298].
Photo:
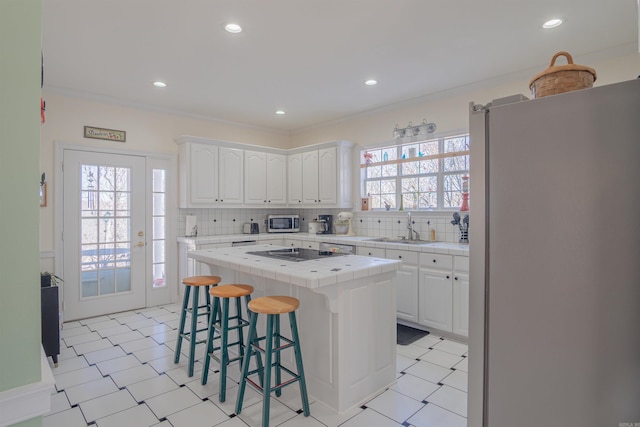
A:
[266, 389]
[298, 354]
[183, 318]
[276, 334]
[211, 331]
[194, 327]
[224, 352]
[239, 330]
[253, 317]
[207, 298]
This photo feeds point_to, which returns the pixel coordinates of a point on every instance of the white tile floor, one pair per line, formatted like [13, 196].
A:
[118, 371]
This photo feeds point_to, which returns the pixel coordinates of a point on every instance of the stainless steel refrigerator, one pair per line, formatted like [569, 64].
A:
[555, 260]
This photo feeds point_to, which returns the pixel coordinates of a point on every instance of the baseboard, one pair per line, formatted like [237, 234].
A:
[28, 401]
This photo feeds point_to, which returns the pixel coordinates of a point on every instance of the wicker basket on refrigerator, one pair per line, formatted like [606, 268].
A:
[561, 78]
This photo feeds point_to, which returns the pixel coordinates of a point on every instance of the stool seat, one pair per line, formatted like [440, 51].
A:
[201, 280]
[231, 291]
[274, 305]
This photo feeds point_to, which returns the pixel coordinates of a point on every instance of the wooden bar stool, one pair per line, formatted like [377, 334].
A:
[219, 322]
[194, 282]
[273, 307]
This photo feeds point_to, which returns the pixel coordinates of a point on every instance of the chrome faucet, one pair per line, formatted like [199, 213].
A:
[410, 230]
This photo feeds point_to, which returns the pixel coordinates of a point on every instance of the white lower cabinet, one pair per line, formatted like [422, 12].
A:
[436, 291]
[461, 296]
[406, 285]
[444, 293]
[372, 252]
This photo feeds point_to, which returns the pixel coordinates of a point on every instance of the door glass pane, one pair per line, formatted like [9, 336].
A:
[158, 229]
[105, 230]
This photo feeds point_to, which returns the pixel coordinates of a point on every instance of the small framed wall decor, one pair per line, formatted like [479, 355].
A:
[107, 134]
[365, 204]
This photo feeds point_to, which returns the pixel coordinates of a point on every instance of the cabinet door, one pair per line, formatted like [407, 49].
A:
[372, 252]
[436, 299]
[406, 284]
[328, 176]
[231, 176]
[310, 178]
[255, 173]
[203, 174]
[294, 179]
[461, 304]
[276, 179]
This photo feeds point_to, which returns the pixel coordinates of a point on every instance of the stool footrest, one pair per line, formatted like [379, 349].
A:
[282, 347]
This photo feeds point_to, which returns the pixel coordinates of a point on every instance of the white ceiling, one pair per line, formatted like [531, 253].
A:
[309, 57]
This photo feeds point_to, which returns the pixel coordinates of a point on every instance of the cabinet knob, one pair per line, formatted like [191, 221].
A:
[448, 277]
[221, 200]
[369, 253]
[455, 278]
[265, 201]
[434, 260]
[400, 256]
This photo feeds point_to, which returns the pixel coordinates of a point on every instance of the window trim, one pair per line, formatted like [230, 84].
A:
[440, 174]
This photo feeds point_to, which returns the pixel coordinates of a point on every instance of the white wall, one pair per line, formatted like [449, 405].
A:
[151, 131]
[147, 131]
[449, 110]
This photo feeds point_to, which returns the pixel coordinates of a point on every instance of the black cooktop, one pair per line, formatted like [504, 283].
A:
[296, 254]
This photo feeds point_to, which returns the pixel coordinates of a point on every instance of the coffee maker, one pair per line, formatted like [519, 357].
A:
[328, 220]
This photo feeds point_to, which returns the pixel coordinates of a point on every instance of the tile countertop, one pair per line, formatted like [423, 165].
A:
[446, 248]
[312, 274]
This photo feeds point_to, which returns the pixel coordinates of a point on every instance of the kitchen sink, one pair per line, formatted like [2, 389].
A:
[400, 240]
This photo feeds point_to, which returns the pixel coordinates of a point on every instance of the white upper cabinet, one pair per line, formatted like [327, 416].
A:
[265, 178]
[223, 174]
[294, 179]
[203, 173]
[255, 183]
[276, 179]
[326, 176]
[198, 175]
[310, 178]
[231, 176]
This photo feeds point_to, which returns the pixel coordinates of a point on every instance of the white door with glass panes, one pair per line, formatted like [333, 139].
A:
[104, 233]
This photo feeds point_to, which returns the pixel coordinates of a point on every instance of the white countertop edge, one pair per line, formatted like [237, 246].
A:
[289, 271]
[30, 400]
[446, 248]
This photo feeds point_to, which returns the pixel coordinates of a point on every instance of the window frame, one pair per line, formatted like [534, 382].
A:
[443, 153]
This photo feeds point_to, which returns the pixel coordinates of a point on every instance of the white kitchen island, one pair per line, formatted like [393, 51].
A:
[346, 319]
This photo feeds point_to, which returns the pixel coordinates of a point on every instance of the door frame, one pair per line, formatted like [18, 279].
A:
[168, 294]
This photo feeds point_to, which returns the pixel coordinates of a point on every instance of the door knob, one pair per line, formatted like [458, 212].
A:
[140, 233]
[140, 244]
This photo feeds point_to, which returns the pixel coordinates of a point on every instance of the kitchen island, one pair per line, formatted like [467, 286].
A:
[347, 316]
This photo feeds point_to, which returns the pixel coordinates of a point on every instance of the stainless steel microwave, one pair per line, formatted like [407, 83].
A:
[283, 223]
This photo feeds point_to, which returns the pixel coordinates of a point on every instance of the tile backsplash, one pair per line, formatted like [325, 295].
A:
[374, 223]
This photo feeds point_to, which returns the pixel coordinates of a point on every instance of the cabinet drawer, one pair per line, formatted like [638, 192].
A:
[373, 252]
[461, 263]
[407, 257]
[437, 261]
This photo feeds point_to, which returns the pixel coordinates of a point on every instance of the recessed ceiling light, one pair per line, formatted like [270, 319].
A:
[280, 112]
[371, 82]
[159, 84]
[233, 28]
[552, 23]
